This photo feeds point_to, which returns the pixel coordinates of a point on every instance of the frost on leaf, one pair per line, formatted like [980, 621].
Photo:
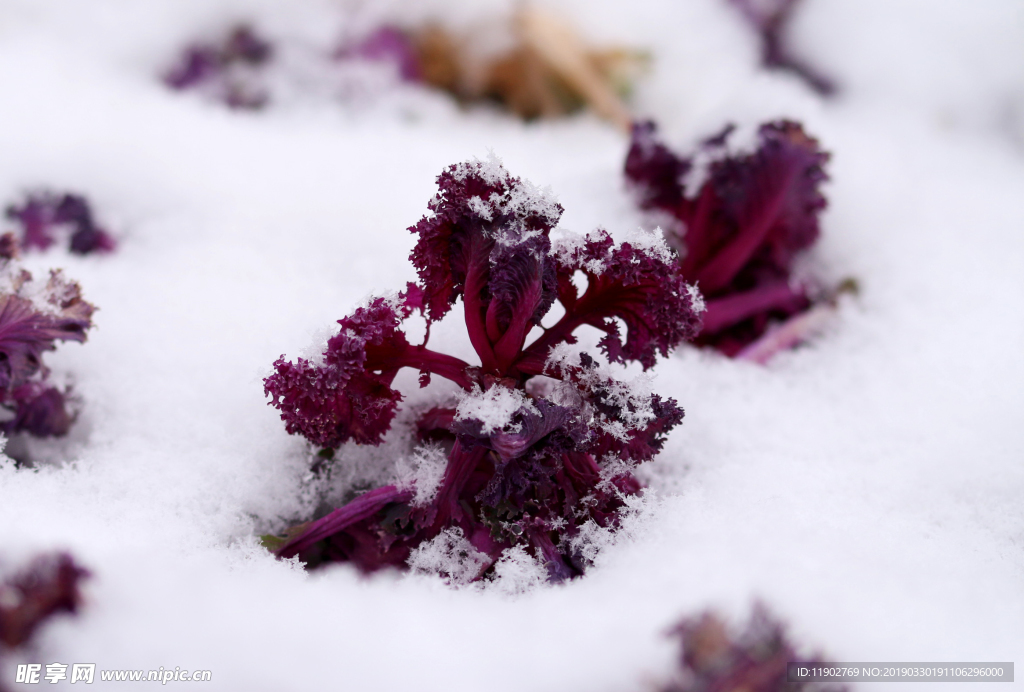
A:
[29, 597]
[529, 443]
[632, 282]
[712, 657]
[738, 235]
[34, 315]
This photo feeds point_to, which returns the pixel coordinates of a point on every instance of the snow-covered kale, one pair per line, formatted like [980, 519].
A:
[770, 19]
[542, 441]
[31, 596]
[713, 659]
[225, 70]
[46, 217]
[737, 236]
[34, 315]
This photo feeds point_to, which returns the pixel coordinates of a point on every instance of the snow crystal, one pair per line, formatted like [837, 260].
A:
[494, 408]
[696, 298]
[450, 556]
[481, 208]
[593, 541]
[517, 573]
[569, 244]
[525, 198]
[492, 170]
[651, 243]
[422, 471]
[521, 200]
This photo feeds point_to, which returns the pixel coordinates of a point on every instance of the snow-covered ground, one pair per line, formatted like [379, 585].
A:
[869, 487]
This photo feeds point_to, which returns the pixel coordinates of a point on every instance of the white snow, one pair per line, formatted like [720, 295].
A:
[423, 470]
[494, 408]
[451, 556]
[517, 573]
[651, 243]
[867, 487]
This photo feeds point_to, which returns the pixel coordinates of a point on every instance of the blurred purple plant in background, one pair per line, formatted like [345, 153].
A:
[738, 235]
[713, 659]
[31, 596]
[387, 44]
[770, 19]
[225, 70]
[44, 216]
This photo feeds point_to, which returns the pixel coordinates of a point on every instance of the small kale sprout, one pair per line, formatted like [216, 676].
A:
[738, 235]
[712, 658]
[34, 315]
[31, 596]
[46, 216]
[227, 70]
[541, 444]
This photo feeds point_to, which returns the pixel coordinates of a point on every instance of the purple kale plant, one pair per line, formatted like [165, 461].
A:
[34, 315]
[227, 70]
[737, 236]
[539, 448]
[714, 659]
[45, 217]
[770, 19]
[31, 596]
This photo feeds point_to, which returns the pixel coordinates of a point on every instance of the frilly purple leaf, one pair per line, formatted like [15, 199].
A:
[342, 398]
[635, 284]
[348, 396]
